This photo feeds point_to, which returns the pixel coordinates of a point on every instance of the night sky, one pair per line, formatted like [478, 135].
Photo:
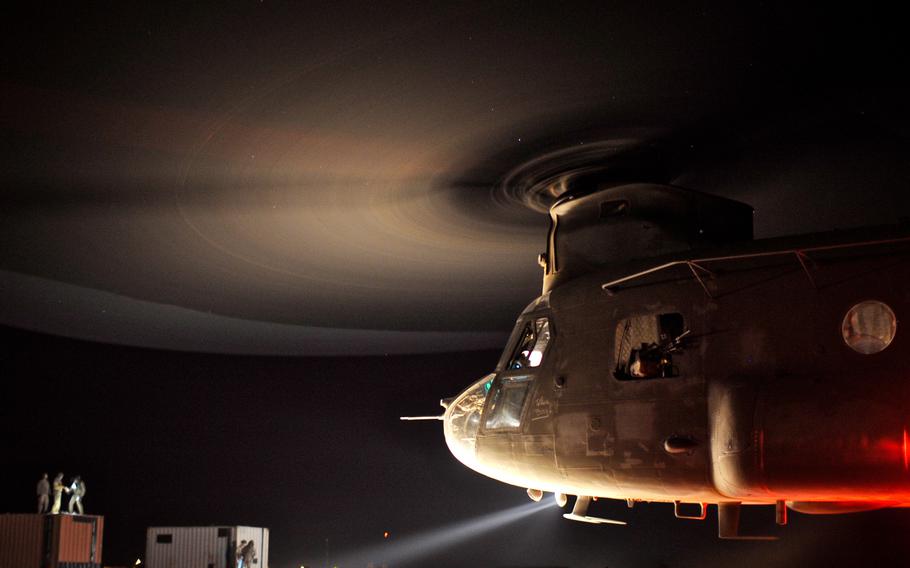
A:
[238, 240]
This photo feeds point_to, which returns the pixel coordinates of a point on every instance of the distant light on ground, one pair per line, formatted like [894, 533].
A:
[413, 547]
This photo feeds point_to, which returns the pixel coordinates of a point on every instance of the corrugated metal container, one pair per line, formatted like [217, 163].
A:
[203, 547]
[21, 541]
[76, 540]
[51, 541]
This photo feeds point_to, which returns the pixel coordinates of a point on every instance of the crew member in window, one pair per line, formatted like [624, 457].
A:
[645, 362]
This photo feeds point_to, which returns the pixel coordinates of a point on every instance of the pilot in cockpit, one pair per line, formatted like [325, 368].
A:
[522, 357]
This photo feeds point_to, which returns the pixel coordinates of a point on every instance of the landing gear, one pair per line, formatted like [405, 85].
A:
[580, 513]
[728, 523]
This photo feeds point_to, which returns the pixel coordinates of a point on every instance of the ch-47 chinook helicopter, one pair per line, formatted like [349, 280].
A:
[672, 358]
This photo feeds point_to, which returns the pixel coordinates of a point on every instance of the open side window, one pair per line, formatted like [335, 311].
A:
[645, 346]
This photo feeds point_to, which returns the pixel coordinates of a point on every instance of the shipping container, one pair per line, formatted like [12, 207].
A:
[203, 547]
[51, 541]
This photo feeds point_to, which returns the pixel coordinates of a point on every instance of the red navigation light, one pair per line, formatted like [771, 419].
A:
[385, 534]
[906, 455]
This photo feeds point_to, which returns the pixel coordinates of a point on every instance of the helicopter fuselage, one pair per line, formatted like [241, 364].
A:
[724, 376]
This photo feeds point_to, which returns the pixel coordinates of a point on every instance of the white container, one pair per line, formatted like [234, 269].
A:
[203, 547]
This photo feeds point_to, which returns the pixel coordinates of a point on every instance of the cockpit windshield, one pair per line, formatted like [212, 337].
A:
[462, 420]
[532, 343]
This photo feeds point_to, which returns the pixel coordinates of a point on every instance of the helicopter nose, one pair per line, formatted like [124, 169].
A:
[462, 421]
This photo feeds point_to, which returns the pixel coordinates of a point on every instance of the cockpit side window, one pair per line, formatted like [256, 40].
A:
[526, 352]
[645, 346]
[532, 344]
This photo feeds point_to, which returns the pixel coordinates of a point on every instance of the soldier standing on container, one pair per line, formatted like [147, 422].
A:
[44, 491]
[77, 488]
[58, 493]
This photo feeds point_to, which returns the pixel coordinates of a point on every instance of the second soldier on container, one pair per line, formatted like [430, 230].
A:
[58, 493]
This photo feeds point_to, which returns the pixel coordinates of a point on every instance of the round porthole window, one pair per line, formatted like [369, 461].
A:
[869, 327]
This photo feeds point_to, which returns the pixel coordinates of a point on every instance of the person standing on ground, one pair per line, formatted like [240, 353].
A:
[246, 554]
[44, 492]
[240, 554]
[249, 554]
